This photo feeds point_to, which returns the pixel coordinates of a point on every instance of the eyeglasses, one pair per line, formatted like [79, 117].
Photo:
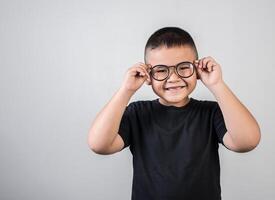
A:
[162, 72]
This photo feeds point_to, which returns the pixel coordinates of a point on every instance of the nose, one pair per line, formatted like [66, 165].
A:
[173, 75]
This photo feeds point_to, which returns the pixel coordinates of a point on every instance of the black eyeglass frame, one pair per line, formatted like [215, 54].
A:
[176, 67]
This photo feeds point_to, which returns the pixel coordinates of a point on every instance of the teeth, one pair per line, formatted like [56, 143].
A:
[173, 88]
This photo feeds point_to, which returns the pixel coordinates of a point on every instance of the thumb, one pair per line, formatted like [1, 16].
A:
[199, 72]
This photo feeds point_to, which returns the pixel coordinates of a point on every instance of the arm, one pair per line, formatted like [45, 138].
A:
[106, 124]
[243, 132]
[103, 137]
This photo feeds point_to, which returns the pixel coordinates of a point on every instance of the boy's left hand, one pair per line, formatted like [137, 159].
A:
[209, 71]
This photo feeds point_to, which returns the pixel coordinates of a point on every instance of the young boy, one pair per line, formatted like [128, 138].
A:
[174, 139]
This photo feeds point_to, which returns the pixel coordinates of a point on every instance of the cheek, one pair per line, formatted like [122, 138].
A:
[193, 79]
[157, 86]
[192, 83]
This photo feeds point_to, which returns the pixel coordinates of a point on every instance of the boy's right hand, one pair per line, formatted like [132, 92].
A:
[135, 77]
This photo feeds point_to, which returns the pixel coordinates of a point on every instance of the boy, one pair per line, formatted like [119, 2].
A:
[174, 139]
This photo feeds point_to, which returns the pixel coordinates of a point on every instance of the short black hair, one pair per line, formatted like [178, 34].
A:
[170, 37]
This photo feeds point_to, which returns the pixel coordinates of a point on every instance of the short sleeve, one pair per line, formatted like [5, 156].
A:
[219, 123]
[125, 125]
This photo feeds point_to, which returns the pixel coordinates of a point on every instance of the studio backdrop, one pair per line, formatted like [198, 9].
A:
[62, 61]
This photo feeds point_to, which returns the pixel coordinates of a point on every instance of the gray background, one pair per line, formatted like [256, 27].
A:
[61, 61]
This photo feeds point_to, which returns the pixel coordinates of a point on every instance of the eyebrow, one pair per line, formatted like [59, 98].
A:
[170, 65]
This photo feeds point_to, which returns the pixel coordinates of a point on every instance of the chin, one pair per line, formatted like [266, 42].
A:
[173, 99]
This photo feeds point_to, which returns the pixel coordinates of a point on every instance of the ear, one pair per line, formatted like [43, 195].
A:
[148, 81]
[197, 73]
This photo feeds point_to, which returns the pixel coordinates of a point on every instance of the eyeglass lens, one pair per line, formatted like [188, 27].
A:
[161, 72]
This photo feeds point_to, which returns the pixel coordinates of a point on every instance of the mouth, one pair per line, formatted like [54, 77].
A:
[174, 88]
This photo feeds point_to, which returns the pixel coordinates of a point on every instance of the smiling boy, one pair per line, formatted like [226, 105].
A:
[174, 139]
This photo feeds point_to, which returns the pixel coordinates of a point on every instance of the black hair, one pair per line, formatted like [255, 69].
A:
[170, 37]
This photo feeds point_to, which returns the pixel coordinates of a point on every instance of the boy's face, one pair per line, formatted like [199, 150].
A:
[171, 57]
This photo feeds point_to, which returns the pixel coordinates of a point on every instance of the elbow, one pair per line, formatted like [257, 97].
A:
[252, 142]
[247, 148]
[99, 151]
[256, 137]
[255, 140]
[95, 146]
[245, 142]
[92, 144]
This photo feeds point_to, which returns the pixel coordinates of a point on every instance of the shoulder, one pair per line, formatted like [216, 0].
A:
[140, 104]
[205, 104]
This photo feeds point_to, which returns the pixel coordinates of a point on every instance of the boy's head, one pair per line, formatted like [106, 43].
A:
[171, 46]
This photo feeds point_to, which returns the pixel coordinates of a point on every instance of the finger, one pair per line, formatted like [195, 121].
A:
[139, 73]
[215, 66]
[145, 70]
[140, 64]
[142, 72]
[136, 71]
[209, 58]
[209, 65]
[204, 61]
[147, 67]
[196, 63]
[201, 63]
[198, 66]
[199, 72]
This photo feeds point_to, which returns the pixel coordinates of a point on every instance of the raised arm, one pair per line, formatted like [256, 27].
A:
[105, 127]
[243, 132]
[103, 137]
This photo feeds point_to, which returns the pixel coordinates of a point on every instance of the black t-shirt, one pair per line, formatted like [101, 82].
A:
[175, 149]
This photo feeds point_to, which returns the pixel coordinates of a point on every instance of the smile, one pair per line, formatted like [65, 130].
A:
[175, 88]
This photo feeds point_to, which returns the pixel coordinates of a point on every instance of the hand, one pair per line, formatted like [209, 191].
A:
[209, 71]
[135, 77]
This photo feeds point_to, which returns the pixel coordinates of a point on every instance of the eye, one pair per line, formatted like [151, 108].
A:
[161, 70]
[183, 67]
